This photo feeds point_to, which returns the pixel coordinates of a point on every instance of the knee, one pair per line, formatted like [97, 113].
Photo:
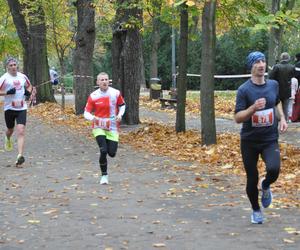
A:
[112, 154]
[21, 130]
[103, 151]
[274, 172]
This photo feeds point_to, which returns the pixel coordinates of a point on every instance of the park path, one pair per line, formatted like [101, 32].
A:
[55, 201]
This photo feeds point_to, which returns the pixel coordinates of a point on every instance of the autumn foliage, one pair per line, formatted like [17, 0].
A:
[221, 159]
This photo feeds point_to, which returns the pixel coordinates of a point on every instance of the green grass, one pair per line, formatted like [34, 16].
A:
[225, 94]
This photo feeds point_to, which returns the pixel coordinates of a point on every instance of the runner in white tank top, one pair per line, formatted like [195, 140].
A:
[15, 86]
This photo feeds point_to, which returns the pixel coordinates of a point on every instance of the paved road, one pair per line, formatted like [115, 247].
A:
[56, 202]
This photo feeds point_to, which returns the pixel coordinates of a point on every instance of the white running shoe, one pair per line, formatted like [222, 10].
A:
[104, 179]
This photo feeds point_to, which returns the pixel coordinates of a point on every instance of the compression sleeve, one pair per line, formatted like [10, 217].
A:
[121, 110]
[87, 115]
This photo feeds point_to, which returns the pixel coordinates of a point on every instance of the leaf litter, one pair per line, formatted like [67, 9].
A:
[224, 158]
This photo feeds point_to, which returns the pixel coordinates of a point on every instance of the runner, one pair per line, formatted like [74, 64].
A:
[14, 86]
[108, 107]
[256, 104]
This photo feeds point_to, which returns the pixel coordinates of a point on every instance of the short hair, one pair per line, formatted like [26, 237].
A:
[285, 56]
[297, 56]
[10, 59]
[102, 74]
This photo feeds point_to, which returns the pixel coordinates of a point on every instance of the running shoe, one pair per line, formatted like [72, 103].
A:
[8, 144]
[257, 217]
[104, 179]
[20, 160]
[266, 196]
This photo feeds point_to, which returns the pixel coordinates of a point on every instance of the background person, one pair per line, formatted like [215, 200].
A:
[54, 78]
[294, 88]
[105, 108]
[283, 72]
[14, 86]
[256, 101]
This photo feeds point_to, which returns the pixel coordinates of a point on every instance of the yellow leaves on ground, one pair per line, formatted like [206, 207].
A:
[163, 140]
[53, 114]
[224, 107]
[223, 158]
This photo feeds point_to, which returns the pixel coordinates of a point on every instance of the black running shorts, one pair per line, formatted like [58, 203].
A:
[12, 115]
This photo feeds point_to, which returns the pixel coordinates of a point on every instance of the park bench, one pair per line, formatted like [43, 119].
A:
[168, 102]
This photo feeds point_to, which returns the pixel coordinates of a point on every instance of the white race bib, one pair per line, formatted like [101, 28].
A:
[17, 103]
[263, 118]
[103, 123]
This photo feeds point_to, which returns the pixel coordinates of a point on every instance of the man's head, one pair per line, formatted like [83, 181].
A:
[254, 57]
[256, 62]
[297, 57]
[103, 81]
[11, 65]
[285, 57]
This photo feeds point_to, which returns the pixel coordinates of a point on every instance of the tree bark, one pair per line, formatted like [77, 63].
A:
[155, 39]
[275, 41]
[127, 57]
[83, 56]
[182, 78]
[275, 37]
[208, 124]
[34, 43]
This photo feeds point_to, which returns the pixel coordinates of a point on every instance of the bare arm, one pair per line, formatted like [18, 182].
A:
[282, 123]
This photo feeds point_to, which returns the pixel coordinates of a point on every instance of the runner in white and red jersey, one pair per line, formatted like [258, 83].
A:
[15, 86]
[105, 108]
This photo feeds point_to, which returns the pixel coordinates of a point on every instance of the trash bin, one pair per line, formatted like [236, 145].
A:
[155, 88]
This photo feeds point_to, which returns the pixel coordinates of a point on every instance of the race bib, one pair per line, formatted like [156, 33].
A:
[263, 118]
[103, 123]
[17, 103]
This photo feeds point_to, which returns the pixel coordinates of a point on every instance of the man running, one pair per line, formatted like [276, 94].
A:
[108, 107]
[256, 103]
[14, 86]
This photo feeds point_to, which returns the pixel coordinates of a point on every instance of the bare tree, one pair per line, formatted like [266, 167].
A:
[275, 41]
[34, 43]
[182, 78]
[83, 56]
[127, 56]
[208, 124]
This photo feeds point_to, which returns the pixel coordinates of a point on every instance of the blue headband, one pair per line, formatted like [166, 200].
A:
[253, 57]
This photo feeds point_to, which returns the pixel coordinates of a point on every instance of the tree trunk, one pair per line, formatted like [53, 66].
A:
[182, 78]
[155, 39]
[275, 41]
[275, 38]
[208, 124]
[127, 57]
[83, 56]
[34, 44]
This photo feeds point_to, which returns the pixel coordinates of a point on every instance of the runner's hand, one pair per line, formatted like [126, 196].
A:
[119, 118]
[283, 126]
[260, 104]
[11, 91]
[27, 93]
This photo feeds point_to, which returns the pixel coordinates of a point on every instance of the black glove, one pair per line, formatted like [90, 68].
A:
[11, 91]
[27, 93]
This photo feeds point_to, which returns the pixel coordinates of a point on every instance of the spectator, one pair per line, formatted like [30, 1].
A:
[294, 88]
[54, 78]
[283, 72]
[297, 67]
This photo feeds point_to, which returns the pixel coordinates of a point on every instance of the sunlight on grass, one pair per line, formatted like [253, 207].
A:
[225, 95]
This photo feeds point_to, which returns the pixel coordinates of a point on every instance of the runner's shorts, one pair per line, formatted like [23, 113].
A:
[12, 115]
